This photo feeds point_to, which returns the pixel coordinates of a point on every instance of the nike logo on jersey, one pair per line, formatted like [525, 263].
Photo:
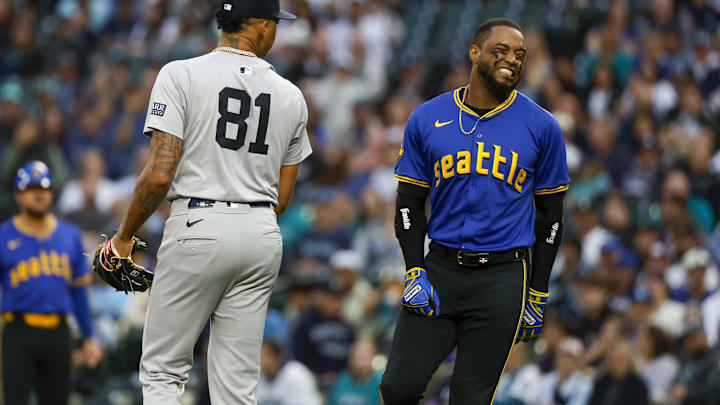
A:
[439, 124]
[189, 224]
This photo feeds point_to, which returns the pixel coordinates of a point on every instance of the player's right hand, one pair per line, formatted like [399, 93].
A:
[419, 295]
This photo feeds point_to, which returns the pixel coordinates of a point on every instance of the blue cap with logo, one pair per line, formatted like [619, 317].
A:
[256, 8]
[33, 174]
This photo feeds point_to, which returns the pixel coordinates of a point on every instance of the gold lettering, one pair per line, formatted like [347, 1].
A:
[513, 166]
[499, 159]
[23, 270]
[437, 173]
[447, 166]
[45, 262]
[55, 262]
[463, 162]
[481, 155]
[65, 264]
[520, 180]
[14, 277]
[34, 270]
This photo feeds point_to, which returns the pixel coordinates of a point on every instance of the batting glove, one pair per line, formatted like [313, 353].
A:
[531, 325]
[419, 295]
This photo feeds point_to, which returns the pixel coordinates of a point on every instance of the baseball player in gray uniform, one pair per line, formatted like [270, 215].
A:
[228, 134]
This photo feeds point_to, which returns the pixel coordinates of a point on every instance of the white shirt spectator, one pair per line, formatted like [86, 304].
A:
[74, 196]
[293, 385]
[576, 389]
[522, 384]
[711, 318]
[669, 317]
[592, 245]
[659, 375]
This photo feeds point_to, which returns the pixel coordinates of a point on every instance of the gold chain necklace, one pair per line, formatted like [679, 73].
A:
[460, 113]
[236, 51]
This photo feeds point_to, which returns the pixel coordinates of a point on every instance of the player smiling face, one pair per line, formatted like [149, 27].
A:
[498, 57]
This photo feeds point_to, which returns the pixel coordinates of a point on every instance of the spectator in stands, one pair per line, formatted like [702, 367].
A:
[346, 272]
[694, 383]
[665, 313]
[591, 293]
[634, 85]
[620, 384]
[330, 232]
[566, 385]
[592, 234]
[359, 384]
[695, 278]
[658, 365]
[284, 382]
[91, 192]
[29, 142]
[322, 338]
[520, 384]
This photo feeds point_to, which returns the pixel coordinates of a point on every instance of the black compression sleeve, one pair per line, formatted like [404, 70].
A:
[411, 223]
[548, 235]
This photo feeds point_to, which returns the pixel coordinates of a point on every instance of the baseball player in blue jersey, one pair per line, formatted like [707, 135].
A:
[493, 163]
[44, 277]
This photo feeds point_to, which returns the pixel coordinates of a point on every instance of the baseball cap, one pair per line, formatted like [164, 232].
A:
[31, 174]
[256, 8]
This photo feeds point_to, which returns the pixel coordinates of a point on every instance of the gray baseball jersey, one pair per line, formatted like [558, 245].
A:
[239, 121]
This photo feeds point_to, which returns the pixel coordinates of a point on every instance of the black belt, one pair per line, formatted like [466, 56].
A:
[476, 259]
[200, 203]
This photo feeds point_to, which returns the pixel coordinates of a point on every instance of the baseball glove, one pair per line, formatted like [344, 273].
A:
[121, 272]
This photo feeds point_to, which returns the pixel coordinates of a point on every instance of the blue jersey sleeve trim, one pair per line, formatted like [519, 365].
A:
[558, 189]
[410, 180]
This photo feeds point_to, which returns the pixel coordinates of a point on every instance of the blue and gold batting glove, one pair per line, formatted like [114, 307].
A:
[532, 322]
[419, 295]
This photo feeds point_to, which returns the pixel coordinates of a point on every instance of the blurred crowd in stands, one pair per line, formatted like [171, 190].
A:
[635, 85]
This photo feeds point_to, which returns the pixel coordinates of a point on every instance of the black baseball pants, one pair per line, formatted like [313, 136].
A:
[35, 359]
[480, 310]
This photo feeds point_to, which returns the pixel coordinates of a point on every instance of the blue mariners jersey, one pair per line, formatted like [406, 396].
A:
[36, 274]
[482, 184]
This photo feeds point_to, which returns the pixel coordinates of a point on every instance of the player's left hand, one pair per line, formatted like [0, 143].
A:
[123, 247]
[419, 295]
[119, 270]
[532, 320]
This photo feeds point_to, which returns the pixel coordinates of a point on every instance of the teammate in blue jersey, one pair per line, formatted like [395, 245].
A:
[44, 277]
[493, 164]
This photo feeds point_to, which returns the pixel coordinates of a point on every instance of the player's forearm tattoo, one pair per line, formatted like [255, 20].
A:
[149, 193]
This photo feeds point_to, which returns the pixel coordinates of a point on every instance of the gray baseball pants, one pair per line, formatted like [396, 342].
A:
[217, 263]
